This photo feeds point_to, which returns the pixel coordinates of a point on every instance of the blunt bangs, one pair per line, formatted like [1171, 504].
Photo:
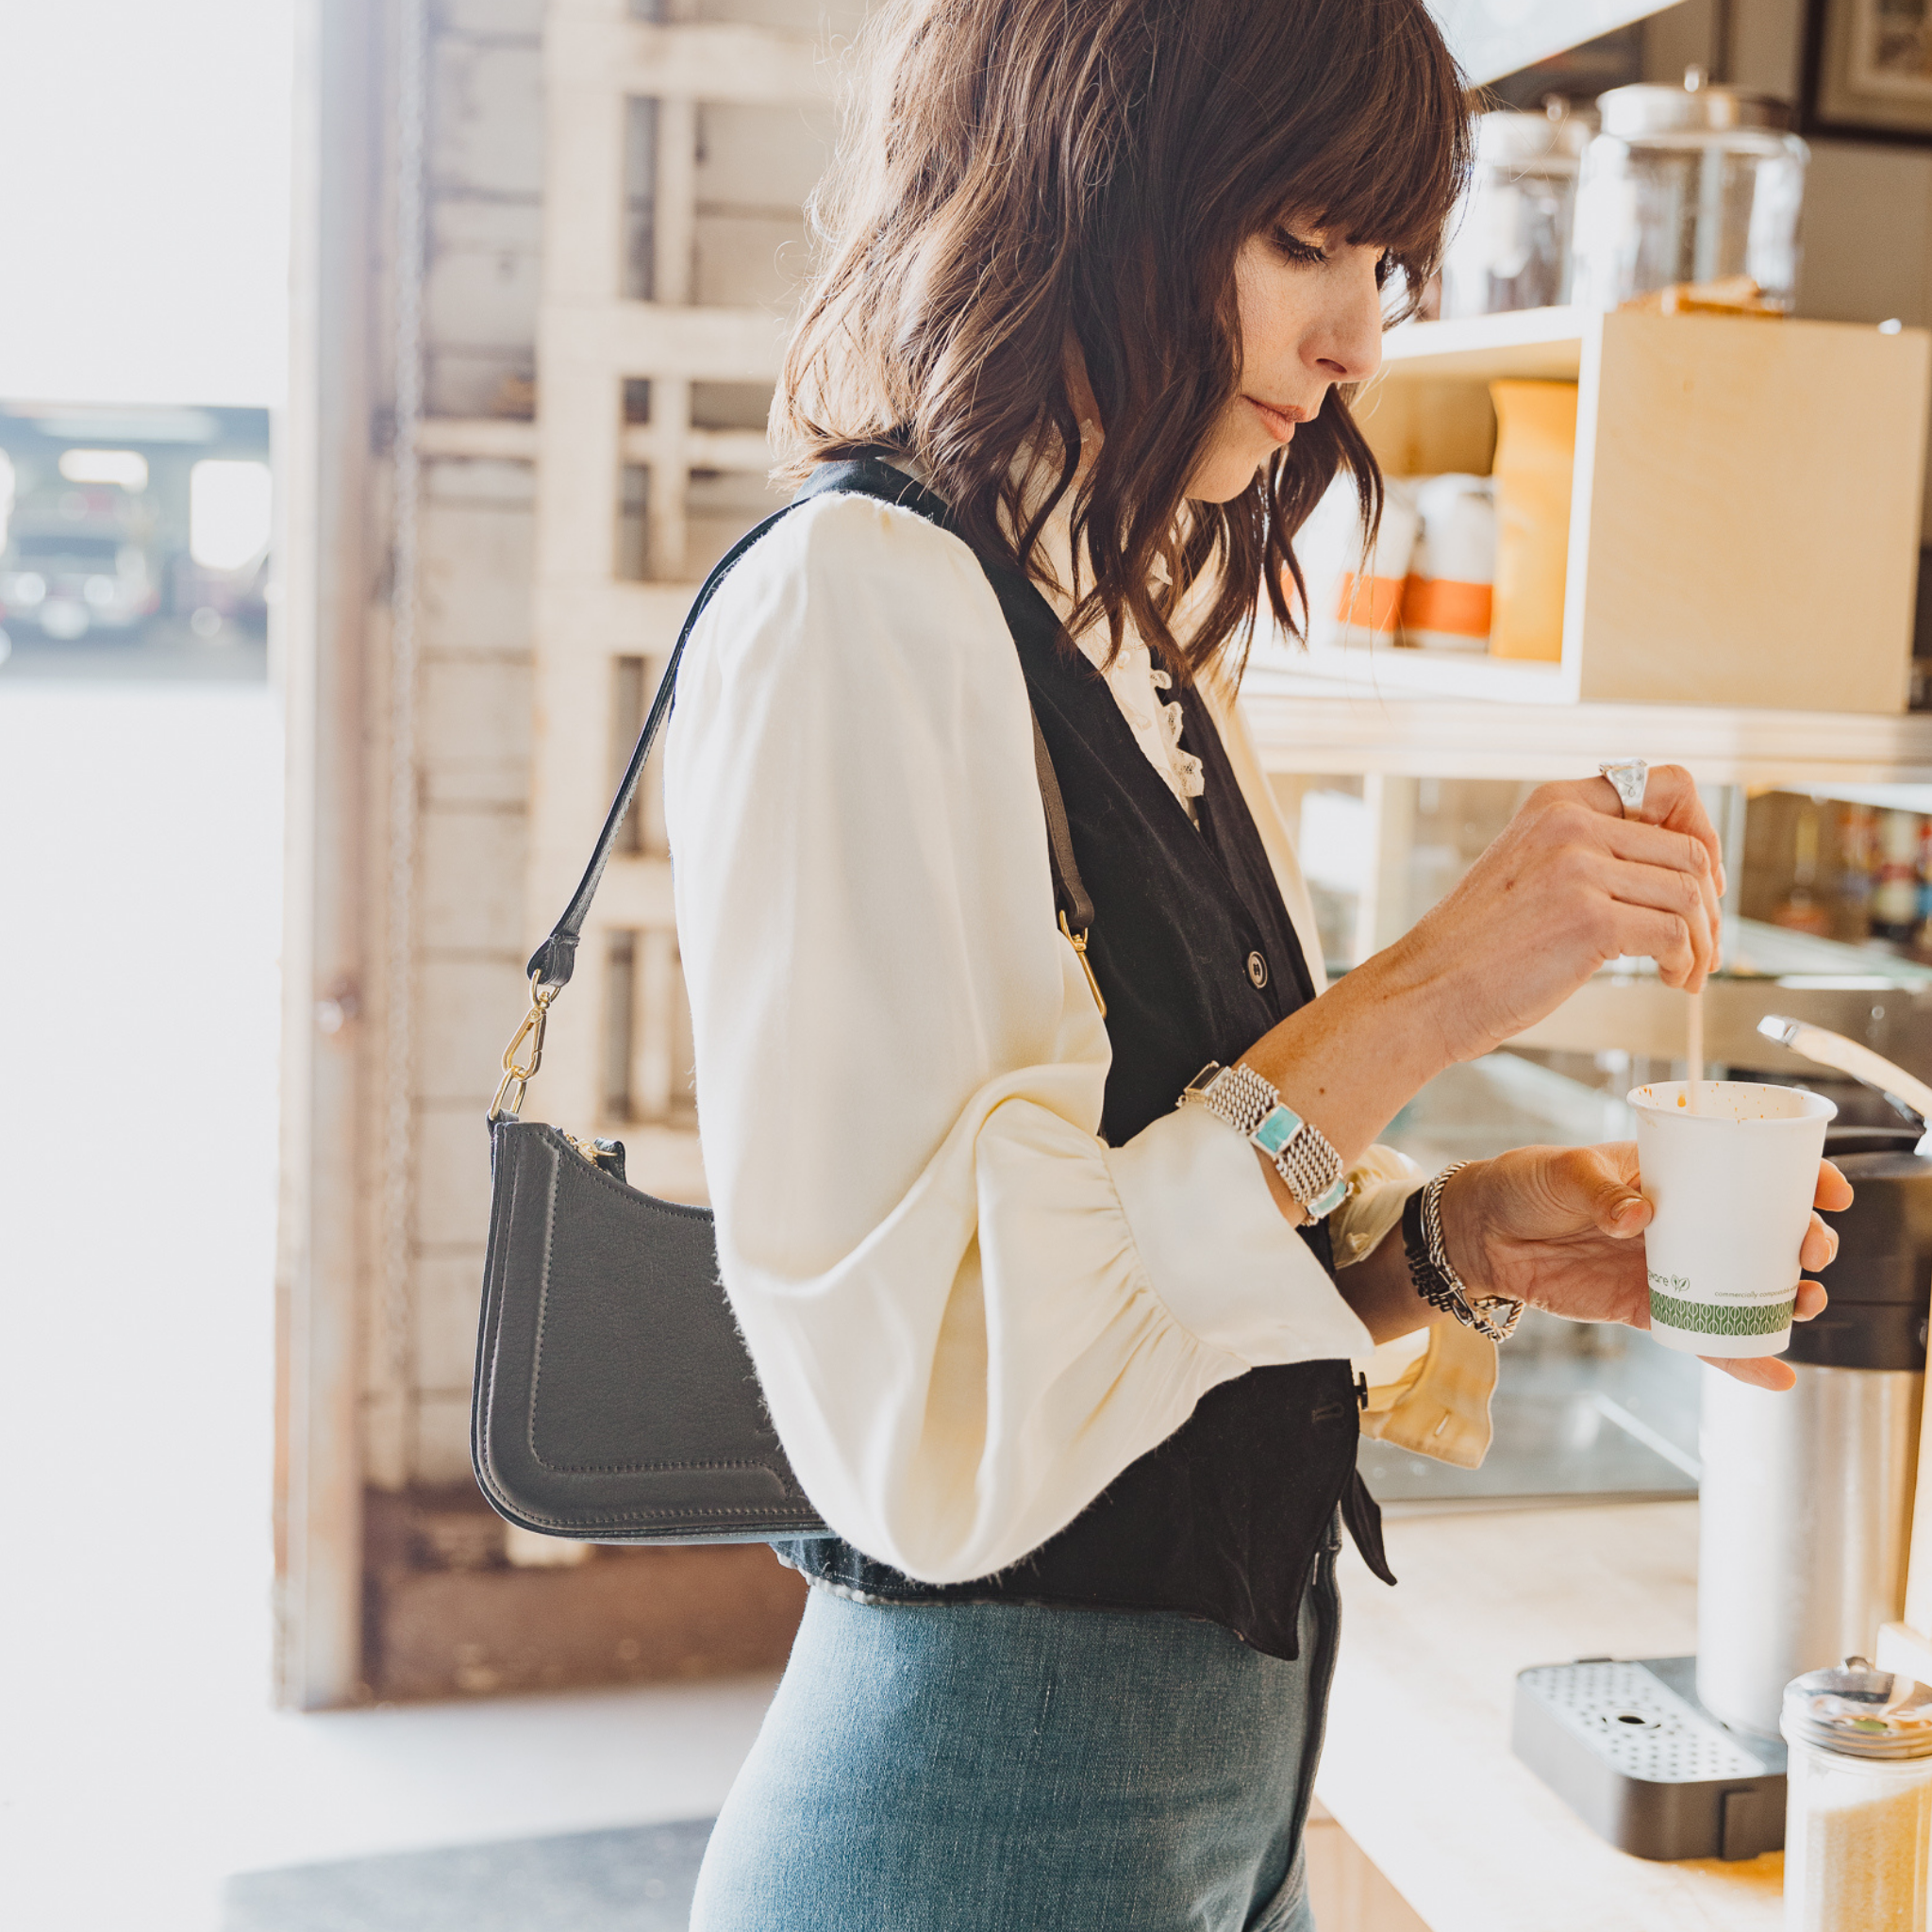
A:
[1392, 180]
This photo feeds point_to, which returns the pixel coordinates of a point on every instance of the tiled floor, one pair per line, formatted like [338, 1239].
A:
[141, 1763]
[638, 1878]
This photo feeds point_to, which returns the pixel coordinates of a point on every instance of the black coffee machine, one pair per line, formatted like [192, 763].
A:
[1805, 1505]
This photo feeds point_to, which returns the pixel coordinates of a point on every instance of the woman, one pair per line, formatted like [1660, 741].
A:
[1063, 1361]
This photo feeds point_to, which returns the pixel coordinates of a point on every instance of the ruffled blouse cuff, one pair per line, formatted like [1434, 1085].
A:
[1429, 1392]
[1219, 1253]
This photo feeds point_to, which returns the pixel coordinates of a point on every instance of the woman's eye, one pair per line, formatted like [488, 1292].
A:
[1297, 250]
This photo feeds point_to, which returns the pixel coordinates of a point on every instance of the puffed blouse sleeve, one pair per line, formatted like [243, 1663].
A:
[967, 1312]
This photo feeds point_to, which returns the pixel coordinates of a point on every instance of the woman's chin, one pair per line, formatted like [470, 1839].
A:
[1222, 478]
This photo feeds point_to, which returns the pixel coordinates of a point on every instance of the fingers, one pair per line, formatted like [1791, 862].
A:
[1669, 829]
[1678, 858]
[1766, 1372]
[1618, 1209]
[1629, 1216]
[1664, 875]
[1558, 1191]
[1670, 799]
[1819, 1249]
[1679, 943]
[1834, 1192]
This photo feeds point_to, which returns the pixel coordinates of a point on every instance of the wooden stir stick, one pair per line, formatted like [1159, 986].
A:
[1694, 1049]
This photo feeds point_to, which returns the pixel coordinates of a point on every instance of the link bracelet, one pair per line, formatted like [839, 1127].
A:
[1493, 1316]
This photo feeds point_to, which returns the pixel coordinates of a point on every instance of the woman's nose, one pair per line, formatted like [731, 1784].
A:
[1347, 343]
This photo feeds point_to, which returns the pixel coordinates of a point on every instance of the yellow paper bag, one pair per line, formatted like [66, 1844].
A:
[1536, 456]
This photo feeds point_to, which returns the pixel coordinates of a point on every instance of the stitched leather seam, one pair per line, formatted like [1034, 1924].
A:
[558, 1155]
[640, 1201]
[727, 1526]
[647, 1468]
[543, 1309]
[730, 1525]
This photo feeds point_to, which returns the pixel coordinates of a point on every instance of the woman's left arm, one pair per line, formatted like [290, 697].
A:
[1558, 1227]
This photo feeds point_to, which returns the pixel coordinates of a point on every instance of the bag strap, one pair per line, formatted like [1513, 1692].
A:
[551, 964]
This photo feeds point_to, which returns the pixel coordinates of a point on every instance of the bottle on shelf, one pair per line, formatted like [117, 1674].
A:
[1802, 910]
[1895, 887]
[1859, 862]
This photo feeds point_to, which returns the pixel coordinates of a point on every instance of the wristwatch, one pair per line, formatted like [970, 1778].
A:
[1301, 1152]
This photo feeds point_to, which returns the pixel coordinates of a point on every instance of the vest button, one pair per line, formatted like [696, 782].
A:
[1257, 969]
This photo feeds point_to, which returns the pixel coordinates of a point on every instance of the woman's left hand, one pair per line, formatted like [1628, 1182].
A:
[1557, 1227]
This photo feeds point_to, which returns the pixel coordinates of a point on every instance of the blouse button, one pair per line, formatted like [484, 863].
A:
[1257, 969]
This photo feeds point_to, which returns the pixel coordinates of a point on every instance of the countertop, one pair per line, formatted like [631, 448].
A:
[1417, 1767]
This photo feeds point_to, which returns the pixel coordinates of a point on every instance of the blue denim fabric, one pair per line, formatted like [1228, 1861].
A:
[1025, 1768]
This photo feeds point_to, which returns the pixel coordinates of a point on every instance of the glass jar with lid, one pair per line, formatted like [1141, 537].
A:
[1510, 245]
[1859, 1804]
[1691, 185]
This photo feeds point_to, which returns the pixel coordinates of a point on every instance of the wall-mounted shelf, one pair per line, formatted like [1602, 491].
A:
[1305, 724]
[1744, 520]
[1545, 342]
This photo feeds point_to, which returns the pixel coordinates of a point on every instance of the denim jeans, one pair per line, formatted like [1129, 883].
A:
[1018, 1768]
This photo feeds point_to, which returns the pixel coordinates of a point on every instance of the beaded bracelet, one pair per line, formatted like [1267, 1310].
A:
[1436, 1280]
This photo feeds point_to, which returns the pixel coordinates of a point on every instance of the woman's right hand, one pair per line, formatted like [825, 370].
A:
[1571, 885]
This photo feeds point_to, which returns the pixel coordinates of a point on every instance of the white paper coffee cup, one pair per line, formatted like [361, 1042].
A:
[1731, 1181]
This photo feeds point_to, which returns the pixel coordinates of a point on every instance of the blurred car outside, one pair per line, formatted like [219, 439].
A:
[112, 516]
[79, 564]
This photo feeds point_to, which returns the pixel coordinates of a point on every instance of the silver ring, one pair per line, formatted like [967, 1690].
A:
[1627, 777]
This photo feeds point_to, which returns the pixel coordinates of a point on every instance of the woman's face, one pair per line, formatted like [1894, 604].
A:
[1310, 317]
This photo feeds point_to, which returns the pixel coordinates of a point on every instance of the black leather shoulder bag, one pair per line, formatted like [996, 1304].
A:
[614, 1399]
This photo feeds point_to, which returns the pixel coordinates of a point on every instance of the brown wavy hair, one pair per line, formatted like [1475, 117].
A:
[1015, 175]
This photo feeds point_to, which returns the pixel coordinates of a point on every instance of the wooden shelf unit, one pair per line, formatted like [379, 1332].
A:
[1744, 523]
[1306, 725]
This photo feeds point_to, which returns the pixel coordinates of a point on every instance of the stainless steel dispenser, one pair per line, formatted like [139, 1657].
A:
[1806, 1497]
[1806, 1514]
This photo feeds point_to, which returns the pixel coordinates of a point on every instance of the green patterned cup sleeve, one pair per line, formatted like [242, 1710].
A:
[1716, 1318]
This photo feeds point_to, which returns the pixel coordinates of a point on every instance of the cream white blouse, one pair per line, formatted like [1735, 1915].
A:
[968, 1313]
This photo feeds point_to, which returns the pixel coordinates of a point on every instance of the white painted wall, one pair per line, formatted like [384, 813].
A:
[144, 200]
[1866, 228]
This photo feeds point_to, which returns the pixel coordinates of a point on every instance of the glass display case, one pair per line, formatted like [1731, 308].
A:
[1828, 918]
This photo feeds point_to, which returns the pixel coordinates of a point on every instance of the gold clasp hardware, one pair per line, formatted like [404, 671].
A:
[1079, 941]
[588, 1149]
[516, 1075]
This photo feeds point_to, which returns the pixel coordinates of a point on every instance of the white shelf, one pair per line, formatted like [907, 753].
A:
[1304, 723]
[1392, 671]
[1545, 342]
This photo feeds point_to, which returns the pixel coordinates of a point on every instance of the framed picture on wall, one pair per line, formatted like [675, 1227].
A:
[1868, 70]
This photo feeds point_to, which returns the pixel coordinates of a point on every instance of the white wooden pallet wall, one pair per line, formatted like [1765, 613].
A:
[619, 1059]
[614, 210]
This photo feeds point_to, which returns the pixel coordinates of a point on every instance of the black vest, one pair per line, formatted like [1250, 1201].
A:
[1197, 957]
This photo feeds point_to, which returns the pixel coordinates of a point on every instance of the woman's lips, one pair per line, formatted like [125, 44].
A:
[1279, 424]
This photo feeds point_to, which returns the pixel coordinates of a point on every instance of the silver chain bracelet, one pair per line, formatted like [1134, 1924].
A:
[1494, 1316]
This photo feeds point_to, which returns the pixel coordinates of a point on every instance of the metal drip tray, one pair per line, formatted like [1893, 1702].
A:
[1630, 1749]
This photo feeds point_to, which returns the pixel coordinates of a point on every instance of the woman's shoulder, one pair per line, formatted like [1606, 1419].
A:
[856, 565]
[853, 612]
